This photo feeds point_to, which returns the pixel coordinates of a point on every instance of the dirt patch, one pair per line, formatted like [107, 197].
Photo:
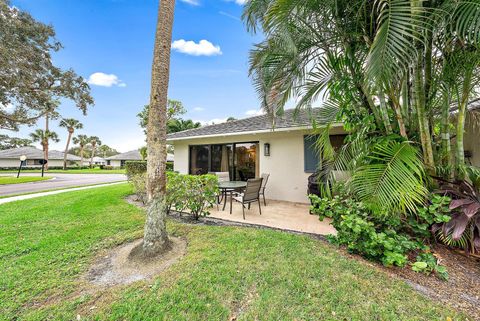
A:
[240, 307]
[461, 290]
[114, 268]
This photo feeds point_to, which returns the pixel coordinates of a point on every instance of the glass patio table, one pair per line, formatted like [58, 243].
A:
[230, 187]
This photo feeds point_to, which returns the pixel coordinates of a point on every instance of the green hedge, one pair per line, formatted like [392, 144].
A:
[138, 167]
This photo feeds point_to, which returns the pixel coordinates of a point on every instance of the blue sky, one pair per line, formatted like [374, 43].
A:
[113, 40]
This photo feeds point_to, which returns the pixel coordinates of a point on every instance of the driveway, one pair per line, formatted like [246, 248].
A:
[59, 181]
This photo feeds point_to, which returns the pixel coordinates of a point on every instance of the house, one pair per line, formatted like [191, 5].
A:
[10, 158]
[248, 147]
[133, 155]
[96, 161]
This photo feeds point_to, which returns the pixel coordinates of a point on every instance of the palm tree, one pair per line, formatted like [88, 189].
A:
[105, 150]
[43, 137]
[70, 124]
[155, 240]
[94, 141]
[81, 141]
[178, 125]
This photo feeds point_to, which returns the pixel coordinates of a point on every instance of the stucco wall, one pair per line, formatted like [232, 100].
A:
[471, 141]
[288, 180]
[15, 163]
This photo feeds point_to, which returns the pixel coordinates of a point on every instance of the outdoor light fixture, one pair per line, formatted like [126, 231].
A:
[266, 150]
[23, 158]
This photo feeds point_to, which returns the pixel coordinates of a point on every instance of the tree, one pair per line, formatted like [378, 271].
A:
[229, 119]
[143, 152]
[155, 240]
[106, 151]
[43, 137]
[70, 124]
[7, 142]
[94, 141]
[178, 125]
[30, 84]
[174, 108]
[81, 141]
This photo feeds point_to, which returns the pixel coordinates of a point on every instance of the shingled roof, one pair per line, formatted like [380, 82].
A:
[133, 155]
[34, 153]
[303, 118]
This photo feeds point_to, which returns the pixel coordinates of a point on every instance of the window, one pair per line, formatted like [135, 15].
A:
[239, 159]
[311, 157]
[31, 162]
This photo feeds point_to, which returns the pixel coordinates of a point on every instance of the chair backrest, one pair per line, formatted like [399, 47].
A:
[222, 176]
[252, 190]
[265, 180]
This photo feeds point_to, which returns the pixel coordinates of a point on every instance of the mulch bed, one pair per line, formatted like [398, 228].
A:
[461, 291]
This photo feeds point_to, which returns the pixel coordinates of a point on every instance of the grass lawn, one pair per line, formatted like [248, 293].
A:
[47, 244]
[73, 171]
[6, 180]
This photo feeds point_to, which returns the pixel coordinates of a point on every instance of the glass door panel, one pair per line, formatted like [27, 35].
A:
[245, 161]
[199, 159]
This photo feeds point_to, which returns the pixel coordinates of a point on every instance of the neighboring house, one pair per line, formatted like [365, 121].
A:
[248, 147]
[471, 141]
[10, 158]
[119, 160]
[96, 161]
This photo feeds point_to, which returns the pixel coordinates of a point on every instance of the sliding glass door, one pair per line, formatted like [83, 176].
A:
[239, 159]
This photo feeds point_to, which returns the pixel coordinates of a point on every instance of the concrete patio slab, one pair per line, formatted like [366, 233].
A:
[278, 214]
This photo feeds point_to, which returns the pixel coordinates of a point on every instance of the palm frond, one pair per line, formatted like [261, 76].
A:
[393, 179]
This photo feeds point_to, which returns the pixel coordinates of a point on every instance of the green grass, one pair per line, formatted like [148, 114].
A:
[7, 180]
[73, 171]
[46, 245]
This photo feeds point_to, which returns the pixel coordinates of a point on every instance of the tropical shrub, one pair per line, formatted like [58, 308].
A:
[139, 183]
[427, 263]
[365, 232]
[463, 229]
[436, 212]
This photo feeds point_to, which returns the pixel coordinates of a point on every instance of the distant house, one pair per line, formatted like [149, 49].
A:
[10, 158]
[96, 161]
[133, 155]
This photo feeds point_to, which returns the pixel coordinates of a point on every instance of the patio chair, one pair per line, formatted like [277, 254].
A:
[264, 185]
[250, 194]
[222, 177]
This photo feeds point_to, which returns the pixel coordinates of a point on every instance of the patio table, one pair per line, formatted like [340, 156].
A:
[230, 186]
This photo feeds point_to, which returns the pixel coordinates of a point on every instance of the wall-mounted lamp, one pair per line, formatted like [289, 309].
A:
[266, 150]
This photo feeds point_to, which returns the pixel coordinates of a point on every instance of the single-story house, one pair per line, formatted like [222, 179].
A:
[10, 158]
[248, 147]
[96, 161]
[133, 155]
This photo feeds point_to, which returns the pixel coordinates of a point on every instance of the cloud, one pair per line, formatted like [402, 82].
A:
[191, 2]
[203, 48]
[239, 2]
[198, 109]
[254, 112]
[226, 14]
[105, 80]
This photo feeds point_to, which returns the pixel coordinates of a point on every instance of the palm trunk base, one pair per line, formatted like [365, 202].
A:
[155, 240]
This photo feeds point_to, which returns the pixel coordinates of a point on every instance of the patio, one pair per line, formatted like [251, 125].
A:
[278, 214]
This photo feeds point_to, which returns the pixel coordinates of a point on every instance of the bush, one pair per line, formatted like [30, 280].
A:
[170, 166]
[370, 234]
[185, 193]
[106, 167]
[135, 167]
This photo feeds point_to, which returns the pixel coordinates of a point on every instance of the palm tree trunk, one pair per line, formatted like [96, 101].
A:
[398, 114]
[423, 123]
[445, 130]
[66, 150]
[384, 113]
[155, 238]
[462, 107]
[81, 155]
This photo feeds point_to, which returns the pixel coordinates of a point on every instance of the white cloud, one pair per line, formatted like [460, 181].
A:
[239, 2]
[203, 48]
[105, 80]
[198, 109]
[231, 16]
[191, 2]
[254, 112]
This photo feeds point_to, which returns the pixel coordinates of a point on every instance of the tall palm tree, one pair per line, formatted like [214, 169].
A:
[81, 141]
[104, 150]
[155, 240]
[70, 124]
[43, 137]
[94, 141]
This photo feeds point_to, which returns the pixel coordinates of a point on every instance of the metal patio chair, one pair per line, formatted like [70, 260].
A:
[264, 185]
[250, 194]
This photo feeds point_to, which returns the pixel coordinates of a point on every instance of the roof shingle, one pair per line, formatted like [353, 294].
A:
[34, 153]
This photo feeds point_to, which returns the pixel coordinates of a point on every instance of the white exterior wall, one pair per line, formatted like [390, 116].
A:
[287, 181]
[471, 141]
[115, 163]
[15, 163]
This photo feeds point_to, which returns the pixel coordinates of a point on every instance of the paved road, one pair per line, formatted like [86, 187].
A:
[59, 181]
